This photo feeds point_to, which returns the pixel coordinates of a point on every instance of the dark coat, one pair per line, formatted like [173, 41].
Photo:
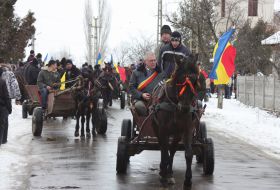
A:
[31, 74]
[166, 57]
[71, 75]
[5, 100]
[139, 76]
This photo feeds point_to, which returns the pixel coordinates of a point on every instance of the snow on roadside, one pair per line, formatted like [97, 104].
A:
[252, 125]
[15, 154]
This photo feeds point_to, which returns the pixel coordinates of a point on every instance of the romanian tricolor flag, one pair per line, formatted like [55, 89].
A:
[146, 82]
[98, 59]
[224, 56]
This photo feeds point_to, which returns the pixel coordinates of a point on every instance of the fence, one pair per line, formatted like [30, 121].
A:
[256, 91]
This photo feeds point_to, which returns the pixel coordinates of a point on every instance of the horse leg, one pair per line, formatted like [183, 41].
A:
[93, 117]
[83, 125]
[163, 142]
[188, 157]
[77, 124]
[87, 124]
[172, 152]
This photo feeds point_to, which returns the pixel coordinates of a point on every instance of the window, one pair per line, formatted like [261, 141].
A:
[253, 8]
[223, 7]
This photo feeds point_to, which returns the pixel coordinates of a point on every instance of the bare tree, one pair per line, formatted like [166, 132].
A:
[132, 52]
[104, 26]
[88, 13]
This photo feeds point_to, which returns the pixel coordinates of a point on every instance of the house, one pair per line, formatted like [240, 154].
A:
[235, 12]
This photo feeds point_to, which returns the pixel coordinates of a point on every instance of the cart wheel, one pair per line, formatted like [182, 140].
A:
[101, 121]
[122, 156]
[203, 131]
[37, 122]
[202, 137]
[209, 157]
[127, 129]
[122, 98]
[24, 110]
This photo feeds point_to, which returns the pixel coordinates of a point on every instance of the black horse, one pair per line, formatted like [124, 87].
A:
[171, 103]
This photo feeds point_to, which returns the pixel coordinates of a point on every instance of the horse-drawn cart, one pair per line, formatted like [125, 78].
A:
[139, 135]
[61, 103]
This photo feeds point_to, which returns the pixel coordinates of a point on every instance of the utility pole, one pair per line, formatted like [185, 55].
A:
[90, 43]
[33, 42]
[95, 38]
[159, 21]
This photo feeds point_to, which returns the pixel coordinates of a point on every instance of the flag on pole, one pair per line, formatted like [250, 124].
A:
[224, 56]
[98, 59]
[122, 73]
[62, 80]
[46, 57]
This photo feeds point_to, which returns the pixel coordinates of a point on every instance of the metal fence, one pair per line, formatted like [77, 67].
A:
[256, 91]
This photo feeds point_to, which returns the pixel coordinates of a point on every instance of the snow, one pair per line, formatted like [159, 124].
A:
[272, 40]
[252, 125]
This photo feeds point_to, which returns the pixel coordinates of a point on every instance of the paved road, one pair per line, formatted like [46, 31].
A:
[60, 161]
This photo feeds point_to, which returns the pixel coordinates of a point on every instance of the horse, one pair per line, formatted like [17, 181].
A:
[87, 105]
[171, 103]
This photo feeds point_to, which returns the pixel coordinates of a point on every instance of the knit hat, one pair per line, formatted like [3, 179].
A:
[165, 29]
[69, 61]
[176, 36]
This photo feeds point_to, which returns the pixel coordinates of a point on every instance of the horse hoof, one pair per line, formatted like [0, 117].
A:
[93, 133]
[187, 185]
[82, 135]
[171, 180]
[88, 135]
[76, 134]
[163, 180]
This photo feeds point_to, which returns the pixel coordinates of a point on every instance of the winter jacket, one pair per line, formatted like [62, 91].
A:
[12, 85]
[31, 74]
[47, 78]
[166, 57]
[158, 49]
[5, 100]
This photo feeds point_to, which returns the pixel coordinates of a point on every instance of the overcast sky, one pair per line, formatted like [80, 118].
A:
[59, 24]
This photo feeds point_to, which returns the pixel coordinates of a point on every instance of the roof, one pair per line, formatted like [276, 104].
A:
[272, 40]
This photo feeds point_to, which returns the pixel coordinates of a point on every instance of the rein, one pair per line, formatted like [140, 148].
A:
[184, 86]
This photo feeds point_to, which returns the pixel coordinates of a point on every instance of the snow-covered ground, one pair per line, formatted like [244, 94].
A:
[253, 125]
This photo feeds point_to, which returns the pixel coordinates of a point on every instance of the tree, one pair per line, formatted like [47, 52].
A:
[133, 52]
[15, 32]
[88, 30]
[251, 56]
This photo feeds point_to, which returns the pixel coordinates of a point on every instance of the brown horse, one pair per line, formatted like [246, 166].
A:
[172, 117]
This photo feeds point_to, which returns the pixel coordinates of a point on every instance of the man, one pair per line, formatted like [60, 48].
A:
[46, 81]
[31, 72]
[142, 82]
[166, 57]
[97, 71]
[39, 59]
[31, 56]
[72, 72]
[5, 109]
[165, 35]
[202, 81]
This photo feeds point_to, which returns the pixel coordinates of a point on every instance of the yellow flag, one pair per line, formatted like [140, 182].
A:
[117, 68]
[62, 80]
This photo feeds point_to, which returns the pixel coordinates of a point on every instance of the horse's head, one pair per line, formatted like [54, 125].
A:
[184, 78]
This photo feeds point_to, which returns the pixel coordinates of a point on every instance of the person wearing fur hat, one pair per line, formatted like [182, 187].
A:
[165, 36]
[72, 72]
[167, 53]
